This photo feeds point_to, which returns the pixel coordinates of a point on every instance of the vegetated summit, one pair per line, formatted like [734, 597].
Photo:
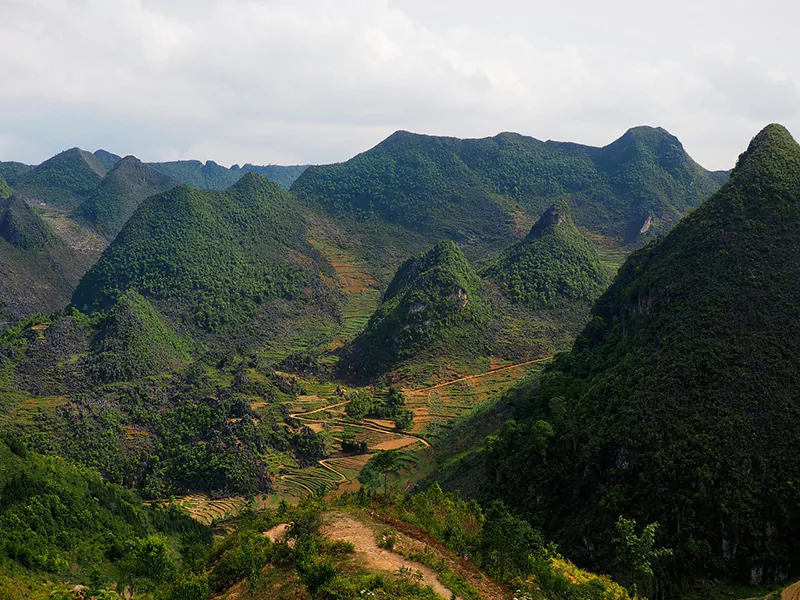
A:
[109, 206]
[679, 401]
[478, 191]
[211, 260]
[433, 310]
[553, 266]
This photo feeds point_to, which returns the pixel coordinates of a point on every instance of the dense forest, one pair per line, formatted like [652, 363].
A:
[678, 402]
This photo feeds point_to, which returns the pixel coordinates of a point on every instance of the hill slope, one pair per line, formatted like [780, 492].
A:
[679, 402]
[109, 206]
[62, 181]
[38, 271]
[477, 191]
[210, 260]
[554, 265]
[433, 309]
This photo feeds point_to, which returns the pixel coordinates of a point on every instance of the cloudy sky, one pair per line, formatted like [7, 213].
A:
[313, 81]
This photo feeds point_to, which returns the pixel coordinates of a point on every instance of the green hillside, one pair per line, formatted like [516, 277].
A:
[38, 271]
[62, 523]
[107, 159]
[11, 170]
[62, 181]
[678, 403]
[478, 192]
[135, 342]
[553, 266]
[5, 189]
[210, 260]
[433, 310]
[109, 206]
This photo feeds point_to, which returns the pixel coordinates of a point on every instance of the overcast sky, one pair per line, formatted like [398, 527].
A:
[315, 81]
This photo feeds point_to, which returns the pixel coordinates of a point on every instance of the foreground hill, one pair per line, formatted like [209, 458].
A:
[212, 261]
[59, 522]
[38, 270]
[434, 310]
[679, 402]
[477, 192]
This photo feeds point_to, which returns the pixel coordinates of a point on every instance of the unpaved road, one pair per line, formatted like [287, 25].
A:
[468, 377]
[792, 592]
[340, 526]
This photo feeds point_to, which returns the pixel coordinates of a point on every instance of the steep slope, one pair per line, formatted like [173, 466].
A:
[62, 181]
[5, 189]
[479, 191]
[38, 271]
[135, 342]
[61, 522]
[11, 170]
[679, 402]
[434, 309]
[211, 260]
[109, 206]
[107, 159]
[553, 266]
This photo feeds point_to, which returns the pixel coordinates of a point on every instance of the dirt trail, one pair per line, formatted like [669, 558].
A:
[792, 592]
[340, 526]
[324, 408]
[324, 464]
[468, 377]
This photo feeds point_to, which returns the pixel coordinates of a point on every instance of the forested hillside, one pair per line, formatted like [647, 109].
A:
[478, 192]
[63, 181]
[213, 260]
[38, 270]
[678, 403]
[434, 310]
[109, 206]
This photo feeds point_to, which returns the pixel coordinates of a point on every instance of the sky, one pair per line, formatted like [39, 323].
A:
[318, 81]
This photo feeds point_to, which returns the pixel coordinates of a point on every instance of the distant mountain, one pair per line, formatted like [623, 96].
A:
[478, 192]
[284, 176]
[553, 266]
[679, 402]
[62, 181]
[10, 171]
[210, 260]
[211, 176]
[434, 308]
[38, 270]
[108, 160]
[109, 206]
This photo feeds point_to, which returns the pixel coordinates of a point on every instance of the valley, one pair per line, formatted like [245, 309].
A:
[439, 349]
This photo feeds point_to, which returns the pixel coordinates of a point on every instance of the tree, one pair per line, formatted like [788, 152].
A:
[383, 462]
[637, 553]
[403, 419]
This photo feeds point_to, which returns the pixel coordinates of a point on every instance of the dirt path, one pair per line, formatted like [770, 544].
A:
[340, 526]
[792, 592]
[324, 408]
[324, 464]
[468, 377]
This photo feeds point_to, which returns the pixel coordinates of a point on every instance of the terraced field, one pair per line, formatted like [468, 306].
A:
[435, 406]
[209, 511]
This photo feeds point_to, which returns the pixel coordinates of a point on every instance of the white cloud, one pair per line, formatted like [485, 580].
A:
[318, 81]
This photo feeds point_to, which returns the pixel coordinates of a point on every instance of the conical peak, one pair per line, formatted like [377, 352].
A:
[558, 212]
[770, 166]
